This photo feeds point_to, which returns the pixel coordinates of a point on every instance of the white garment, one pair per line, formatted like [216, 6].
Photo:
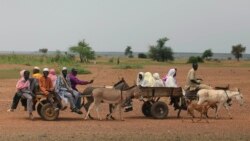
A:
[158, 81]
[148, 80]
[138, 80]
[171, 81]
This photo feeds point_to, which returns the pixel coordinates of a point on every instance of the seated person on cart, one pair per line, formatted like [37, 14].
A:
[23, 88]
[192, 83]
[64, 89]
[75, 81]
[46, 87]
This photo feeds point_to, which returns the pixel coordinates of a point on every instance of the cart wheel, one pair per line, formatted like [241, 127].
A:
[48, 112]
[39, 108]
[159, 110]
[146, 109]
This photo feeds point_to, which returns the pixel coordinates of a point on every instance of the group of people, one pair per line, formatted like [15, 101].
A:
[64, 86]
[149, 80]
[50, 85]
[192, 82]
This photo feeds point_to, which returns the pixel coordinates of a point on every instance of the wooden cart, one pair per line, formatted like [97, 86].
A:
[152, 107]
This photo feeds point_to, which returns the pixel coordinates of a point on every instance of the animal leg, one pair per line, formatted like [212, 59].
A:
[90, 108]
[86, 107]
[111, 109]
[121, 113]
[217, 110]
[190, 112]
[229, 114]
[110, 116]
[97, 111]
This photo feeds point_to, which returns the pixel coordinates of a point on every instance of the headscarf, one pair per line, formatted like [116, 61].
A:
[148, 80]
[171, 81]
[139, 81]
[158, 81]
[22, 74]
[20, 83]
[52, 76]
[171, 72]
[156, 76]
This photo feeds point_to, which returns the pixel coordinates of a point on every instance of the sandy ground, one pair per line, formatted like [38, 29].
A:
[70, 126]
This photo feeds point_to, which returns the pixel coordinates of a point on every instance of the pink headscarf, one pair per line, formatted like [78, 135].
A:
[21, 83]
[52, 76]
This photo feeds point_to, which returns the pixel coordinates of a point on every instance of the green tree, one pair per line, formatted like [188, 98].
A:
[129, 52]
[43, 50]
[207, 53]
[84, 50]
[237, 51]
[142, 55]
[160, 52]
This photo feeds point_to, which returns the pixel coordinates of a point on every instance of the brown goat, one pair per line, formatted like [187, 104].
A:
[200, 108]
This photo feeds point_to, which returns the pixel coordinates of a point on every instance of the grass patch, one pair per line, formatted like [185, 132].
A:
[9, 74]
[80, 70]
[128, 66]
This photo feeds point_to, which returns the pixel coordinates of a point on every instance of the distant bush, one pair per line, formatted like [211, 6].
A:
[195, 59]
[80, 70]
[111, 60]
[128, 66]
[142, 55]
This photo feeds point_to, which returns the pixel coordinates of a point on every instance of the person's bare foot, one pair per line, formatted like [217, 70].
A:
[31, 117]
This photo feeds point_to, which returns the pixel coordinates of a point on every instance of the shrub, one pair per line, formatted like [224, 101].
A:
[128, 66]
[195, 59]
[142, 55]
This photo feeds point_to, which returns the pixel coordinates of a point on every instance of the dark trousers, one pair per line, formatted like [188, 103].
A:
[78, 103]
[16, 100]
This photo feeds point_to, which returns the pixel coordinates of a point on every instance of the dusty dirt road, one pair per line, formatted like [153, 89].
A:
[70, 126]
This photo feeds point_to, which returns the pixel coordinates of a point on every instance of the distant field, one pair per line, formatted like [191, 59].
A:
[28, 61]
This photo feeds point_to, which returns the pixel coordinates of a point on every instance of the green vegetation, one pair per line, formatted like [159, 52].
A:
[9, 74]
[128, 66]
[237, 51]
[43, 50]
[195, 59]
[31, 60]
[207, 54]
[84, 50]
[160, 52]
[129, 52]
[142, 55]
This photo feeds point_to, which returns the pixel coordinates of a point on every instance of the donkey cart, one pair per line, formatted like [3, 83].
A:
[45, 109]
[152, 107]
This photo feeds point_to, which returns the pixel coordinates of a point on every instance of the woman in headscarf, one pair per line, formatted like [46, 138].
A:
[148, 80]
[171, 80]
[140, 78]
[158, 81]
[52, 76]
[17, 96]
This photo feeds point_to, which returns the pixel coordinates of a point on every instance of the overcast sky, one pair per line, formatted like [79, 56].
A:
[111, 25]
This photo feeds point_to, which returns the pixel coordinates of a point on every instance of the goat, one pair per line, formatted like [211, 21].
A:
[203, 109]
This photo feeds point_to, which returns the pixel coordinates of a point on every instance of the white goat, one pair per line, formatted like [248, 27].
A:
[221, 97]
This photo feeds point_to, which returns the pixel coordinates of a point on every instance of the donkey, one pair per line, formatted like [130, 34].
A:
[112, 96]
[120, 85]
[221, 97]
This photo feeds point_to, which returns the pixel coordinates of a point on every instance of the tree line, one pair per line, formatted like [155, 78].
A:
[158, 52]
